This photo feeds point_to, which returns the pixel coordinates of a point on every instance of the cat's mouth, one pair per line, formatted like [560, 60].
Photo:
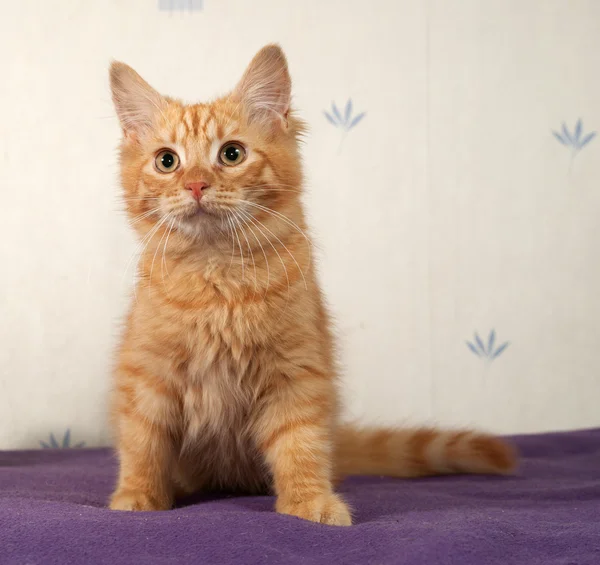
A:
[205, 210]
[197, 211]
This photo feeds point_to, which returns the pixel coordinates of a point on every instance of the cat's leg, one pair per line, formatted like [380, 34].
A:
[294, 433]
[147, 420]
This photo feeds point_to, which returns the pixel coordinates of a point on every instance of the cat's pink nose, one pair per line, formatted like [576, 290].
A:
[196, 188]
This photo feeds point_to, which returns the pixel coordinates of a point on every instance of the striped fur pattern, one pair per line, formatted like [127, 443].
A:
[225, 376]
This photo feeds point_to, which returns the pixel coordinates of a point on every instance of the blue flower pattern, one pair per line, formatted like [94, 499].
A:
[344, 120]
[488, 351]
[347, 122]
[66, 442]
[574, 139]
[180, 5]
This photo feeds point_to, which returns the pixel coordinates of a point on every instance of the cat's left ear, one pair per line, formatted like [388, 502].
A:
[136, 102]
[266, 87]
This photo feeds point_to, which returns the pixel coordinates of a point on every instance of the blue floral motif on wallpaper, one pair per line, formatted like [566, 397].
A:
[65, 444]
[180, 5]
[345, 120]
[575, 140]
[489, 351]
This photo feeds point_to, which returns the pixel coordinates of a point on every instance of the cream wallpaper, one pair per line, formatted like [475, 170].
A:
[454, 140]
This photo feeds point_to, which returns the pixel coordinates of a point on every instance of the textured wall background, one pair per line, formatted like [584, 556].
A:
[477, 301]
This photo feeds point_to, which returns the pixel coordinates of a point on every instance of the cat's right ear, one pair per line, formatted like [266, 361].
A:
[136, 102]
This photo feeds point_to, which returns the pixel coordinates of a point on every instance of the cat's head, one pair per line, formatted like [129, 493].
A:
[202, 168]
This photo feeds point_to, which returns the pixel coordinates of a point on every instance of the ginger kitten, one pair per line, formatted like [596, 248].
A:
[226, 376]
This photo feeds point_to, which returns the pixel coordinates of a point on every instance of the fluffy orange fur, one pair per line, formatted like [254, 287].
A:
[226, 376]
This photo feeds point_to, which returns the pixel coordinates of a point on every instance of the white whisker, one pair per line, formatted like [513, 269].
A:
[289, 252]
[164, 260]
[285, 219]
[162, 221]
[263, 252]
[232, 242]
[141, 246]
[143, 216]
[139, 198]
[239, 243]
[275, 186]
[269, 189]
[250, 250]
[252, 220]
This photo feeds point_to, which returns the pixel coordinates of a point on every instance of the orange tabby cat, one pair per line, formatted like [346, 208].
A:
[226, 374]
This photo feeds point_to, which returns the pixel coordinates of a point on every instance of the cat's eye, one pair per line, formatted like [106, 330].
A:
[166, 161]
[232, 154]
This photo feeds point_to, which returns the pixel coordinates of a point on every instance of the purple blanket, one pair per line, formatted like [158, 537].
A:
[52, 511]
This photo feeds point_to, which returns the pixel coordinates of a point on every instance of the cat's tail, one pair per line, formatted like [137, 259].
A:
[419, 452]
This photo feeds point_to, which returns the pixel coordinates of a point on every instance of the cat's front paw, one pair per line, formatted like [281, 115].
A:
[137, 500]
[326, 509]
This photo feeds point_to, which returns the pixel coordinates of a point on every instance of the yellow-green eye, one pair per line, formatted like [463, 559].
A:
[166, 161]
[232, 154]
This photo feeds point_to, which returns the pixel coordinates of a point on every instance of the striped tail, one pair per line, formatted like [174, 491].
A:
[420, 452]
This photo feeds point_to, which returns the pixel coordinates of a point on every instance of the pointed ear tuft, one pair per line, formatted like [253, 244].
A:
[136, 102]
[265, 88]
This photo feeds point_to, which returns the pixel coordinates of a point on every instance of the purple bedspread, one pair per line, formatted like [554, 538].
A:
[52, 511]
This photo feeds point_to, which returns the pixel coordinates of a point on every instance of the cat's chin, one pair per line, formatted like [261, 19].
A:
[200, 225]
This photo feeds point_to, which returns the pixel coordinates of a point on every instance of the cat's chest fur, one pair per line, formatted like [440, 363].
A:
[219, 342]
[221, 382]
[220, 350]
